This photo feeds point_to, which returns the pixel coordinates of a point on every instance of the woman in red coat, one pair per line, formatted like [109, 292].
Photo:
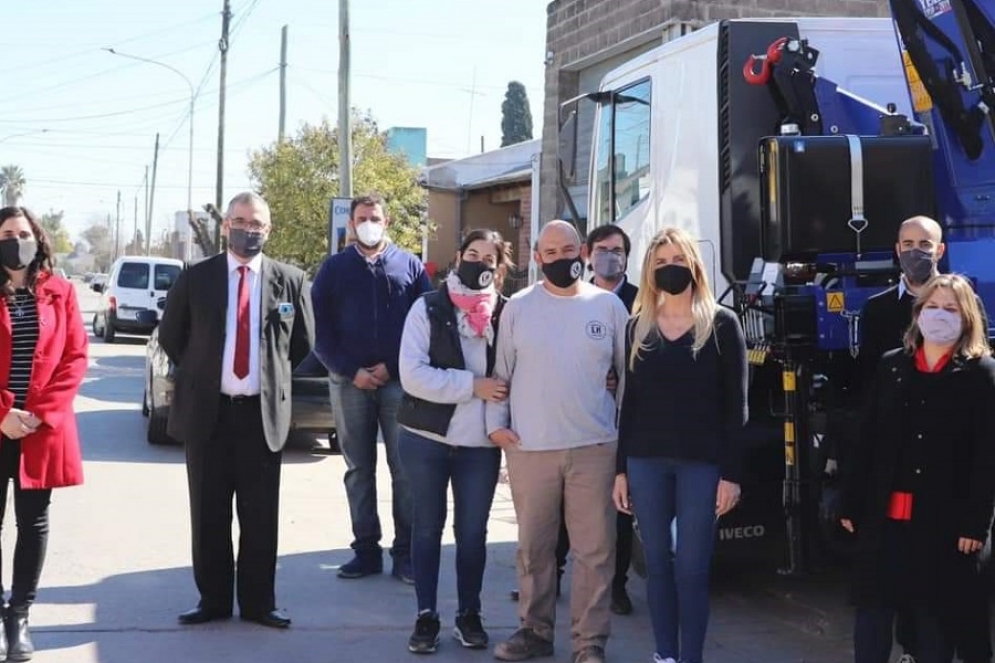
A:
[43, 360]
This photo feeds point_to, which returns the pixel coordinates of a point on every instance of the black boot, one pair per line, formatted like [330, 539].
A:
[3, 634]
[19, 645]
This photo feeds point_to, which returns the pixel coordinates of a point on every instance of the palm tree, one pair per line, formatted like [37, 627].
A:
[12, 184]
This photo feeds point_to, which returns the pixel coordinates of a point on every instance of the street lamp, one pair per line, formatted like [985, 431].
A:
[26, 133]
[193, 98]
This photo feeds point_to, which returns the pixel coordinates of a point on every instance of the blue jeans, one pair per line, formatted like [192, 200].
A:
[677, 582]
[474, 475]
[359, 414]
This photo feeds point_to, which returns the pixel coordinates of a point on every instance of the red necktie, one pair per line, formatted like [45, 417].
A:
[242, 325]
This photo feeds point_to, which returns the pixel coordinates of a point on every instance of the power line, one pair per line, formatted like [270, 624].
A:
[70, 83]
[128, 111]
[92, 49]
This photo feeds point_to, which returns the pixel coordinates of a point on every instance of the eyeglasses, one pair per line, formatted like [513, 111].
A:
[253, 225]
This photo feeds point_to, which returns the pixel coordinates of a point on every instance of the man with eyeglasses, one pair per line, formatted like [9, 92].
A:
[235, 325]
[606, 250]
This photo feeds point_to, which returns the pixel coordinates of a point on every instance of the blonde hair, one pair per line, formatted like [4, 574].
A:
[973, 342]
[703, 305]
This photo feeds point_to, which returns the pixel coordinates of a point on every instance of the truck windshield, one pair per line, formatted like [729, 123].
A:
[620, 183]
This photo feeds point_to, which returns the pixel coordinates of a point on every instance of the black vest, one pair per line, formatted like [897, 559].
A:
[444, 351]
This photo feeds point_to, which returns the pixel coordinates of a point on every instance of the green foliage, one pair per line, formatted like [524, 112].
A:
[12, 184]
[58, 236]
[516, 117]
[299, 177]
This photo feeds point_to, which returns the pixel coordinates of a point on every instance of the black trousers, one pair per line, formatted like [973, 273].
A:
[623, 548]
[235, 463]
[31, 512]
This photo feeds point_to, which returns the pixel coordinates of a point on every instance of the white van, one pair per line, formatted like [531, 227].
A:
[135, 284]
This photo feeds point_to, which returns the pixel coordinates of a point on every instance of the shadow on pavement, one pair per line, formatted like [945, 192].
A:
[370, 619]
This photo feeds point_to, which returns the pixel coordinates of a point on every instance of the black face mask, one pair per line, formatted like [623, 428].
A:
[17, 253]
[672, 279]
[917, 265]
[244, 243]
[475, 275]
[564, 272]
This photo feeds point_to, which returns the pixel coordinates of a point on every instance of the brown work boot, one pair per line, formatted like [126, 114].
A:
[590, 654]
[523, 645]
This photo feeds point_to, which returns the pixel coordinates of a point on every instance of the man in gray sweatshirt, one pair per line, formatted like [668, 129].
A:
[558, 340]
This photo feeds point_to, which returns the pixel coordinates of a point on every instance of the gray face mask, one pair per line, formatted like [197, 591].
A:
[917, 265]
[608, 266]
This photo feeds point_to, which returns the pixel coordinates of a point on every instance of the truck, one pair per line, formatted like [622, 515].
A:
[792, 149]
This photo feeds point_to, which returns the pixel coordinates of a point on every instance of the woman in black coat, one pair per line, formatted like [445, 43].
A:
[920, 493]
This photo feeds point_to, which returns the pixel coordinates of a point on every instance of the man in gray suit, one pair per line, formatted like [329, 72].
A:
[235, 325]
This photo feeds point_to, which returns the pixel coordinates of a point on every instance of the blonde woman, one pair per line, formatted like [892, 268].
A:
[683, 412]
[921, 489]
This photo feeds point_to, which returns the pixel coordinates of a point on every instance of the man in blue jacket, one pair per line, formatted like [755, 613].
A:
[361, 297]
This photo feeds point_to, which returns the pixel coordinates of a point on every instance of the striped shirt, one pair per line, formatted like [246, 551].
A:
[24, 333]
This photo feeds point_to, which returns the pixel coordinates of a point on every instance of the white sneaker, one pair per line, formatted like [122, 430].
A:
[906, 658]
[657, 659]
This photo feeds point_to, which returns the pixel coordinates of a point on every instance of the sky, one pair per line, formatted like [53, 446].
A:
[81, 122]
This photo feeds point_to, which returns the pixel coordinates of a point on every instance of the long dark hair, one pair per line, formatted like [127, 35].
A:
[43, 258]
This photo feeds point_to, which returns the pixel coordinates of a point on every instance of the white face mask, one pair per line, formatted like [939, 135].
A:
[370, 233]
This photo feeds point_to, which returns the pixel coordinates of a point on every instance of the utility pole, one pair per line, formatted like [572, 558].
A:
[134, 235]
[117, 227]
[283, 82]
[223, 47]
[345, 107]
[146, 193]
[148, 218]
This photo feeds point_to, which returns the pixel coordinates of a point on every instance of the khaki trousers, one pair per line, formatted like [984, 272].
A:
[581, 480]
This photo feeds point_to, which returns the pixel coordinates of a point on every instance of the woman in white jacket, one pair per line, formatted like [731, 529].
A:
[447, 354]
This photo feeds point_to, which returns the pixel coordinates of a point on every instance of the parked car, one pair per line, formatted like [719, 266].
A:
[312, 410]
[134, 285]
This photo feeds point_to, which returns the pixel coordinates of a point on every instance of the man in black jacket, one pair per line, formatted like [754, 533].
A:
[235, 325]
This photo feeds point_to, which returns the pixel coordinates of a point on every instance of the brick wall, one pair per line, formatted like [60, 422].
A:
[580, 30]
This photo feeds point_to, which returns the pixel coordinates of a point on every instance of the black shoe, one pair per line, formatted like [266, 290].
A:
[201, 615]
[361, 566]
[425, 639]
[272, 619]
[514, 595]
[470, 631]
[19, 645]
[3, 635]
[621, 603]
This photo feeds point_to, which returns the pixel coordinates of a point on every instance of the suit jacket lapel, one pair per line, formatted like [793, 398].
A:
[219, 289]
[272, 293]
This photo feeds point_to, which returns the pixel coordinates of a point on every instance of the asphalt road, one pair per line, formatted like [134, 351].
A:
[118, 569]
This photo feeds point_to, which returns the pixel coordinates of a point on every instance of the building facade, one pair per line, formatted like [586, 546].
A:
[585, 39]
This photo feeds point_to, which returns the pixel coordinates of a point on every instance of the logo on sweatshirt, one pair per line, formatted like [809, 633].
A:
[597, 330]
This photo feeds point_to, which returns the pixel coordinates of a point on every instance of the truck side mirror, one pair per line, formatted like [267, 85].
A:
[567, 145]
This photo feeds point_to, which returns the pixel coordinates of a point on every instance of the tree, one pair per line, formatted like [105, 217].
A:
[299, 178]
[12, 183]
[58, 236]
[516, 118]
[98, 236]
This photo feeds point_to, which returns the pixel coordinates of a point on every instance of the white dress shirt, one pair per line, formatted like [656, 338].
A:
[231, 384]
